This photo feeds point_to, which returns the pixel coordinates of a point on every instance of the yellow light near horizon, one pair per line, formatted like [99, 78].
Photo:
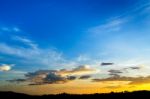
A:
[143, 87]
[79, 87]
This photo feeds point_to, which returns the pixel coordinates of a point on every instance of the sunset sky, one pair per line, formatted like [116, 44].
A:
[74, 46]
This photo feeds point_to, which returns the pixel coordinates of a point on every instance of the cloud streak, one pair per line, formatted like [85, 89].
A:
[85, 77]
[33, 55]
[111, 26]
[10, 29]
[25, 41]
[131, 80]
[106, 64]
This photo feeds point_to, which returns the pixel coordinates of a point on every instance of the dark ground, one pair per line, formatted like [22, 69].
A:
[135, 94]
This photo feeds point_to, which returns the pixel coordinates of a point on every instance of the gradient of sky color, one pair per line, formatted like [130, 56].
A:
[74, 37]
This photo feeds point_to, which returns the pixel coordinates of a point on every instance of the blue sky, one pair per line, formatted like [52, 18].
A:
[55, 34]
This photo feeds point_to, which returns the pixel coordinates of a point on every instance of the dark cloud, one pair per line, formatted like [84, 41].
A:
[17, 80]
[132, 80]
[113, 78]
[43, 77]
[54, 76]
[71, 77]
[141, 80]
[105, 64]
[47, 77]
[40, 72]
[132, 68]
[115, 73]
[35, 84]
[137, 68]
[85, 77]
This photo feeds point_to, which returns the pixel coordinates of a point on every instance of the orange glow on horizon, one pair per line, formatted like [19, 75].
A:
[78, 87]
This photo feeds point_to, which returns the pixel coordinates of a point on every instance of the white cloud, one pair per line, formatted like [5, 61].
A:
[45, 58]
[10, 29]
[113, 25]
[116, 23]
[80, 70]
[5, 67]
[16, 29]
[26, 41]
[82, 58]
[37, 56]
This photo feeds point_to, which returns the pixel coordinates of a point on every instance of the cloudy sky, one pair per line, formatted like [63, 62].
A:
[74, 46]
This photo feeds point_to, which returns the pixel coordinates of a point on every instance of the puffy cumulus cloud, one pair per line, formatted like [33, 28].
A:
[55, 76]
[44, 77]
[5, 67]
[130, 80]
[83, 69]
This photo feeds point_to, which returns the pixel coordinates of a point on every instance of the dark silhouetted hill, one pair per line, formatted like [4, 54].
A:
[135, 94]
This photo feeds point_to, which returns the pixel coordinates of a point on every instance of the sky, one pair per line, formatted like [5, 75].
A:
[74, 46]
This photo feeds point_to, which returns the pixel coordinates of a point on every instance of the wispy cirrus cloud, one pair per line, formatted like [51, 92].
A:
[44, 57]
[121, 21]
[9, 29]
[110, 26]
[25, 41]
[33, 53]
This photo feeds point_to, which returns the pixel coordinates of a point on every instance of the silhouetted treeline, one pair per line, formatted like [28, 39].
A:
[137, 94]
